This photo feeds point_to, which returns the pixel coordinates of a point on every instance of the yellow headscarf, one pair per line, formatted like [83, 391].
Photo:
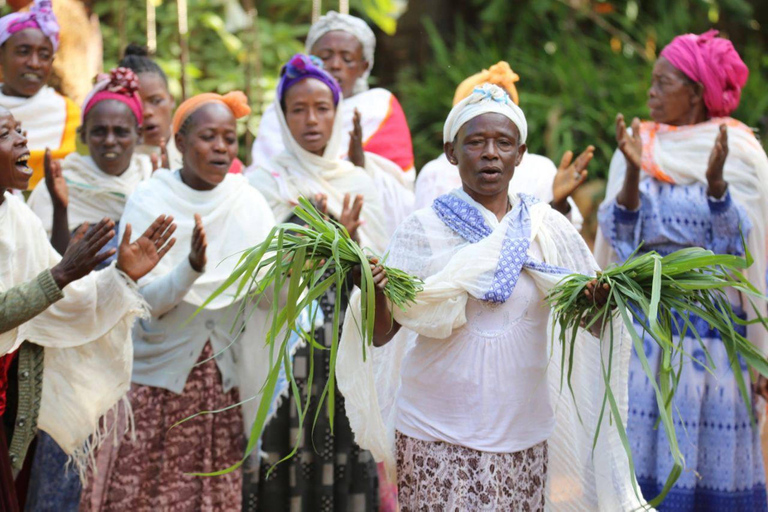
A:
[499, 74]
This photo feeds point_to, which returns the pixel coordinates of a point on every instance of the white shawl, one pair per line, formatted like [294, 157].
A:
[297, 172]
[86, 335]
[93, 194]
[578, 478]
[43, 116]
[682, 153]
[235, 217]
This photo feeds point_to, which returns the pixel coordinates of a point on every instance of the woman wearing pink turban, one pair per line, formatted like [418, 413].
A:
[693, 176]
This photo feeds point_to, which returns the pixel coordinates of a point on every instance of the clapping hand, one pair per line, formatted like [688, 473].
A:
[137, 259]
[356, 153]
[630, 145]
[55, 182]
[197, 257]
[570, 176]
[160, 161]
[716, 184]
[82, 254]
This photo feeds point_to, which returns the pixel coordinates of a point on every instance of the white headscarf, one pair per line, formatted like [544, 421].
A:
[487, 98]
[352, 25]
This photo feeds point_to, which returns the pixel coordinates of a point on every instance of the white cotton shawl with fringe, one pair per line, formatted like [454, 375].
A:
[86, 335]
[683, 154]
[93, 194]
[235, 217]
[578, 478]
[295, 172]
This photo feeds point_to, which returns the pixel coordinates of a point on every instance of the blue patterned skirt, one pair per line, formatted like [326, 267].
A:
[722, 451]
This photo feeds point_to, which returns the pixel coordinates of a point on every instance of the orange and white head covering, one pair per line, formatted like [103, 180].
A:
[236, 101]
[499, 74]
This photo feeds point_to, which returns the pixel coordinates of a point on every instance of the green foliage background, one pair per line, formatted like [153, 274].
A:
[580, 61]
[573, 82]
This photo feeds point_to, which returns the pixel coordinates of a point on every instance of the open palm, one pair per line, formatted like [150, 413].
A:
[138, 258]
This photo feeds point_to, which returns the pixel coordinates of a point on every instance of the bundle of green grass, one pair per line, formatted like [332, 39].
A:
[646, 290]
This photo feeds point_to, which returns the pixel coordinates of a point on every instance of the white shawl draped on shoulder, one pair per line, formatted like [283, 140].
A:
[578, 478]
[86, 335]
[235, 217]
[682, 153]
[296, 172]
[93, 194]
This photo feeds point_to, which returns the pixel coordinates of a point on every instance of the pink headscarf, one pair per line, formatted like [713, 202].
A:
[39, 16]
[714, 63]
[122, 85]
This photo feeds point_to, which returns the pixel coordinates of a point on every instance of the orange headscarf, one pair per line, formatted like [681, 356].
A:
[499, 74]
[236, 101]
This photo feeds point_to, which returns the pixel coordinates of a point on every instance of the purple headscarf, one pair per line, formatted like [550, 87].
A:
[713, 62]
[301, 67]
[40, 16]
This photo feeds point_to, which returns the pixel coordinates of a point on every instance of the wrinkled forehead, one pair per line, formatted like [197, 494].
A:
[489, 124]
[339, 40]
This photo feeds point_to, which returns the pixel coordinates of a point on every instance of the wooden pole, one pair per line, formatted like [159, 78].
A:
[253, 71]
[151, 27]
[316, 10]
[181, 10]
[344, 6]
[122, 35]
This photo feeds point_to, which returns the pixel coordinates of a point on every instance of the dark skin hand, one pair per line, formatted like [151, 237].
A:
[137, 259]
[59, 192]
[570, 176]
[716, 185]
[83, 253]
[356, 152]
[160, 161]
[197, 257]
[350, 213]
[631, 147]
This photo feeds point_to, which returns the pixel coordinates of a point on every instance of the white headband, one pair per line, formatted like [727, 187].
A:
[485, 99]
[352, 25]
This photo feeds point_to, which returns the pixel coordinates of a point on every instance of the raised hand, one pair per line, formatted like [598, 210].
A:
[570, 176]
[356, 153]
[82, 254]
[321, 203]
[137, 259]
[716, 184]
[630, 145]
[197, 257]
[350, 215]
[632, 148]
[55, 182]
[160, 161]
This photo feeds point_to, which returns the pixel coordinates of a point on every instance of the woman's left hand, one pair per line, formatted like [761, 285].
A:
[716, 184]
[356, 153]
[137, 259]
[570, 176]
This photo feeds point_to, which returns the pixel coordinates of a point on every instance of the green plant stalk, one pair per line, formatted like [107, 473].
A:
[647, 290]
[306, 262]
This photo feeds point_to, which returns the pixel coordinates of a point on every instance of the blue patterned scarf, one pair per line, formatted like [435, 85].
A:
[467, 221]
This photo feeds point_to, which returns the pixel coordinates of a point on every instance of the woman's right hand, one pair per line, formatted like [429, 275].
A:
[197, 257]
[55, 182]
[632, 148]
[82, 254]
[350, 215]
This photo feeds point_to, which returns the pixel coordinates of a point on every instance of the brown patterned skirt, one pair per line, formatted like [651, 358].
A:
[436, 476]
[148, 474]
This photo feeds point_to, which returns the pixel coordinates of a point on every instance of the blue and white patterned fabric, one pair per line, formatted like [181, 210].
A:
[467, 221]
[723, 457]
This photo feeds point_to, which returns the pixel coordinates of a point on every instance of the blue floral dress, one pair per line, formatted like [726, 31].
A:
[722, 452]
